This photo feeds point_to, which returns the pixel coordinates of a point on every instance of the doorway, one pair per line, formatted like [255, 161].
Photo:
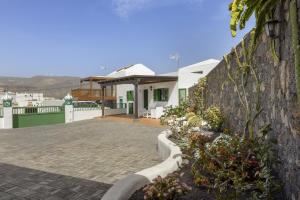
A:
[121, 102]
[146, 99]
[130, 108]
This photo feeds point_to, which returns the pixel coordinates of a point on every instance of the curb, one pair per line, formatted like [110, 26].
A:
[168, 151]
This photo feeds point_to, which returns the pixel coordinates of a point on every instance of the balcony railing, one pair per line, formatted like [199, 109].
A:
[92, 95]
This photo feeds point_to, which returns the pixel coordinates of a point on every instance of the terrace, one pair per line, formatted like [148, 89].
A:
[73, 161]
[90, 91]
[146, 101]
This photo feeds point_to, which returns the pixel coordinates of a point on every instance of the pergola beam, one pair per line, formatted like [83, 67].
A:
[142, 80]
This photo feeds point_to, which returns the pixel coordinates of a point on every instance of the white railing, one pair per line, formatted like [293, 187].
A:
[37, 110]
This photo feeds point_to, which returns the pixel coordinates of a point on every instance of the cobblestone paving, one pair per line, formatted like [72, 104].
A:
[81, 158]
[18, 183]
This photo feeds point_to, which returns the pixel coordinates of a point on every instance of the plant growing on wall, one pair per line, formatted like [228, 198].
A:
[199, 95]
[295, 42]
[242, 10]
[239, 80]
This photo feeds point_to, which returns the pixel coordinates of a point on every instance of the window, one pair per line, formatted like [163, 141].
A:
[198, 72]
[130, 96]
[161, 94]
[182, 96]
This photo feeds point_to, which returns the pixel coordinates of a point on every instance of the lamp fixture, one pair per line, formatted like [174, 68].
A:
[272, 28]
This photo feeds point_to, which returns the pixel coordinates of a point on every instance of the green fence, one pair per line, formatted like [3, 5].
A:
[1, 112]
[36, 116]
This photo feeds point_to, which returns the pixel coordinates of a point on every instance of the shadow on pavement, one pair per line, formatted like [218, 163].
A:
[24, 183]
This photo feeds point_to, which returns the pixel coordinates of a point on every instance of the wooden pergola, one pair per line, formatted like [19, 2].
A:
[92, 79]
[90, 93]
[134, 80]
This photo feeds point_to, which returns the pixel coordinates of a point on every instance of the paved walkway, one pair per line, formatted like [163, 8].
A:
[74, 161]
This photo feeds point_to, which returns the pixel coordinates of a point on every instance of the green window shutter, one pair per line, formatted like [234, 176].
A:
[155, 94]
[130, 96]
[165, 94]
[161, 94]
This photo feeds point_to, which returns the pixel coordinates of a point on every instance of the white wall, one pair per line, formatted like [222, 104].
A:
[7, 117]
[122, 93]
[187, 76]
[1, 122]
[84, 114]
[173, 95]
[54, 102]
[29, 99]
[137, 69]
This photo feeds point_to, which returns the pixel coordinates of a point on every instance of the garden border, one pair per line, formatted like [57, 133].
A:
[168, 151]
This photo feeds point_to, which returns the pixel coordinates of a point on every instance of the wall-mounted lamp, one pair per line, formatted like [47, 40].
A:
[272, 28]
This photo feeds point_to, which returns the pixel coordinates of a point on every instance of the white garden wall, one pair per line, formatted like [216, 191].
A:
[86, 113]
[1, 122]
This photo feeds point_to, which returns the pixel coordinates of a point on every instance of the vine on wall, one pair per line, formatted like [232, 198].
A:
[241, 12]
[199, 95]
[295, 43]
[246, 70]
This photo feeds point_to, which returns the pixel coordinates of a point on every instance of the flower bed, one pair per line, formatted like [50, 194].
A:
[219, 164]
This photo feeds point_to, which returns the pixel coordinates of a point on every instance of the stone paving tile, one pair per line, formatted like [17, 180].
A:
[73, 161]
[42, 186]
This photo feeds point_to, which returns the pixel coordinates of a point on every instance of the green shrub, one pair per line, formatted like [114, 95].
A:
[189, 115]
[236, 166]
[199, 95]
[195, 121]
[214, 118]
[178, 111]
[168, 188]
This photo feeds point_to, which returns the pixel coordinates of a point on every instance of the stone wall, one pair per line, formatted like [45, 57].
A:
[278, 99]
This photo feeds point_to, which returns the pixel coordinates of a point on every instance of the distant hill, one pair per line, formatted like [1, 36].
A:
[51, 86]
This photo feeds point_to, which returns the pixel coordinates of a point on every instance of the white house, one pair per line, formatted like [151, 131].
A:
[137, 69]
[29, 99]
[123, 89]
[154, 92]
[25, 99]
[188, 76]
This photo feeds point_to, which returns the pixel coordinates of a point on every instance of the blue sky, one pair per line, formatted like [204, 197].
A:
[94, 37]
